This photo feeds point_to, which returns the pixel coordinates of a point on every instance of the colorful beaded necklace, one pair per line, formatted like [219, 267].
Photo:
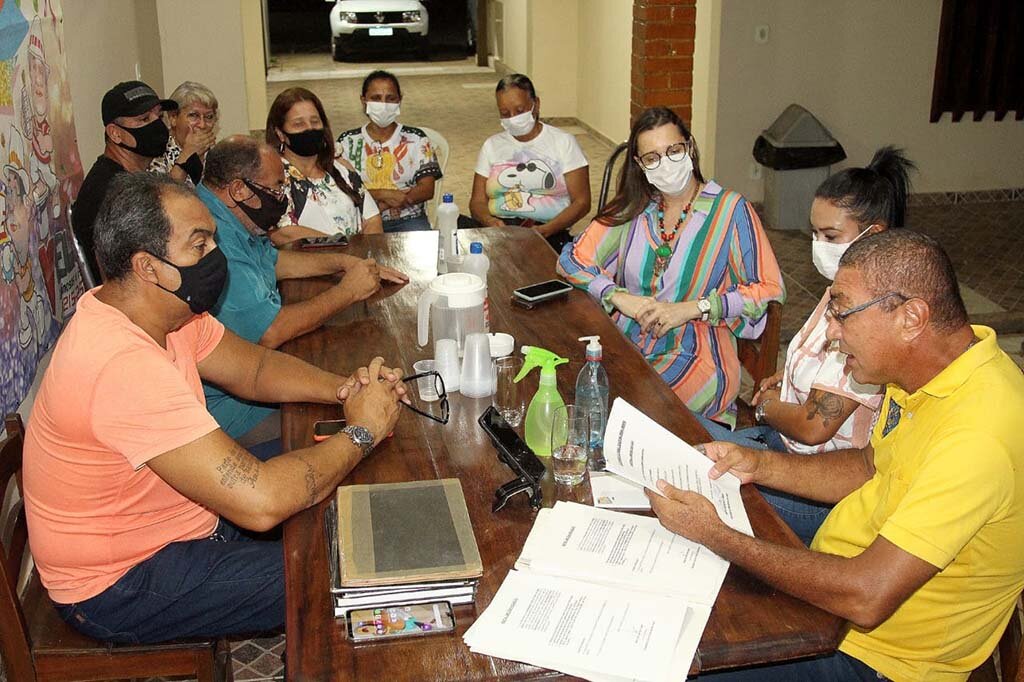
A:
[664, 251]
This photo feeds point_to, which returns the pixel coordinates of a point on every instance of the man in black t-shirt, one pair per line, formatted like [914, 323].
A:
[135, 134]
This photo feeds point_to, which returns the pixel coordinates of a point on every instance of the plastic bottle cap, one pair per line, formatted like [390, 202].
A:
[448, 199]
[476, 247]
[501, 345]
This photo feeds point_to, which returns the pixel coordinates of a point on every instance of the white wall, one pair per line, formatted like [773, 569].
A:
[605, 45]
[865, 69]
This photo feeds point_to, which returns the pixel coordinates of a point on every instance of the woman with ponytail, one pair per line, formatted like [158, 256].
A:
[813, 405]
[325, 195]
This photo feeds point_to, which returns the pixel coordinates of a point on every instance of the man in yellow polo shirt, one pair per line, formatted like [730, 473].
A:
[923, 553]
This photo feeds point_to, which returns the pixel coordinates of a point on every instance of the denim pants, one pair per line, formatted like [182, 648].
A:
[838, 667]
[221, 585]
[407, 224]
[802, 516]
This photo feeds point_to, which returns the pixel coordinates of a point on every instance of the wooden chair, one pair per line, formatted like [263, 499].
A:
[606, 179]
[37, 645]
[760, 356]
[1011, 655]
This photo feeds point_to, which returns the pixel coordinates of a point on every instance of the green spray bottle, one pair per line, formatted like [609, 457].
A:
[545, 401]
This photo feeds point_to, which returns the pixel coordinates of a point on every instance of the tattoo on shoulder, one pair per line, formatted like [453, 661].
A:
[827, 406]
[239, 467]
[311, 481]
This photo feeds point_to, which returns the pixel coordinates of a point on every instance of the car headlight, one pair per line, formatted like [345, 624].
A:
[411, 17]
[348, 17]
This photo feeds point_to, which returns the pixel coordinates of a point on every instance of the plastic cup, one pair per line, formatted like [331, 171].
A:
[446, 362]
[425, 385]
[570, 444]
[476, 380]
[509, 397]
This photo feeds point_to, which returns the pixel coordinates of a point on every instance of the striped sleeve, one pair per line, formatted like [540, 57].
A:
[592, 261]
[756, 278]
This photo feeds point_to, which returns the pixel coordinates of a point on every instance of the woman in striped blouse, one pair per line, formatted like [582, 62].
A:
[682, 264]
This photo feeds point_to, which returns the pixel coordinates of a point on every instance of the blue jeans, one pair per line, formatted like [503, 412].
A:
[838, 667]
[225, 584]
[407, 224]
[803, 516]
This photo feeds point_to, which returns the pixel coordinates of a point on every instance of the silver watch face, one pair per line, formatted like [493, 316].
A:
[360, 436]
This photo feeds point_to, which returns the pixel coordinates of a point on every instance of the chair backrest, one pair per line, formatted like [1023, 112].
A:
[606, 180]
[1011, 649]
[15, 646]
[90, 278]
[441, 149]
[760, 356]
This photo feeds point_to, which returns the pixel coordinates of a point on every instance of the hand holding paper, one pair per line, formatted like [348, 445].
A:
[638, 448]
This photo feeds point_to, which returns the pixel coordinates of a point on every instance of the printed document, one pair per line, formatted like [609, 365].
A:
[624, 550]
[638, 448]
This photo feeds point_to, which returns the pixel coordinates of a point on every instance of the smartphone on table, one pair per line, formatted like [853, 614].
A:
[392, 622]
[543, 291]
[322, 430]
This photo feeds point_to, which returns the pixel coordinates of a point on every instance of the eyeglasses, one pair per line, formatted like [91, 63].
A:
[675, 152]
[196, 117]
[276, 193]
[441, 393]
[840, 317]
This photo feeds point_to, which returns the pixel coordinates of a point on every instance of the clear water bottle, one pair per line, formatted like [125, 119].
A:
[447, 224]
[592, 397]
[478, 264]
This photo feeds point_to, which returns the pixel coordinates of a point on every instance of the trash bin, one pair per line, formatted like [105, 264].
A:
[796, 152]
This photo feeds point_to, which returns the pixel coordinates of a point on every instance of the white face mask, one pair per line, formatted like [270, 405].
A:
[826, 255]
[383, 113]
[519, 125]
[670, 177]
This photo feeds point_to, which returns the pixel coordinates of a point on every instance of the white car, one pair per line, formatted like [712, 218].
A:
[378, 25]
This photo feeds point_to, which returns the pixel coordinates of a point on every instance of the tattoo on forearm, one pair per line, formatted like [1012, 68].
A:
[239, 467]
[826, 405]
[311, 481]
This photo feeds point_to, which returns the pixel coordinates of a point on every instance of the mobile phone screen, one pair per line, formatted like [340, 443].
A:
[323, 430]
[543, 289]
[330, 240]
[410, 620]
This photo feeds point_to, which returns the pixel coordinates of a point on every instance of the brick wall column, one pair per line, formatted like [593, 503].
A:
[662, 70]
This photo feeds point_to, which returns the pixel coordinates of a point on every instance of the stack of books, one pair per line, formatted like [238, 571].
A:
[401, 543]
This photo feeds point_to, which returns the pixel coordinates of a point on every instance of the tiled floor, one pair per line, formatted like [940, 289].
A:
[984, 240]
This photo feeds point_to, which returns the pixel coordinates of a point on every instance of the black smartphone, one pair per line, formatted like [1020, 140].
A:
[390, 622]
[322, 430]
[508, 440]
[543, 291]
[322, 242]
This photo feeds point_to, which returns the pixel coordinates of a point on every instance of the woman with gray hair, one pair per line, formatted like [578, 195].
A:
[193, 131]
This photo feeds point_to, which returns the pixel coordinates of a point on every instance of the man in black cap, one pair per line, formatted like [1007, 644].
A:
[135, 134]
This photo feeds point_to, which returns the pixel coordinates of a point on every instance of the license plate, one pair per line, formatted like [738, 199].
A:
[382, 31]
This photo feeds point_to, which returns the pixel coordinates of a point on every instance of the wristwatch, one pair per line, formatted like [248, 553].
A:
[704, 306]
[360, 437]
[759, 410]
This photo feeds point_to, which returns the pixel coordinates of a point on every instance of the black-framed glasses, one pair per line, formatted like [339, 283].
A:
[278, 193]
[442, 395]
[675, 152]
[840, 317]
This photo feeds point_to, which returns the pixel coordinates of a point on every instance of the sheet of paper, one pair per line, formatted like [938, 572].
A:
[638, 448]
[625, 550]
[561, 623]
[612, 491]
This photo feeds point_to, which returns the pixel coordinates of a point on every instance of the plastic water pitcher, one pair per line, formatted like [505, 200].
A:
[451, 308]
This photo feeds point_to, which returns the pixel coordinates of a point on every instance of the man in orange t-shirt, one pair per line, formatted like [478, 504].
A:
[133, 494]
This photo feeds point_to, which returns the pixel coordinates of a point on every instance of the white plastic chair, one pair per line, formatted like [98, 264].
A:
[441, 149]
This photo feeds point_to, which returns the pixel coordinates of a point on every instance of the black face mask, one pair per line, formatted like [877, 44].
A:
[307, 143]
[268, 215]
[202, 283]
[150, 139]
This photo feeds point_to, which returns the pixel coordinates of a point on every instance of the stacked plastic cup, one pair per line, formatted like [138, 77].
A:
[476, 380]
[446, 362]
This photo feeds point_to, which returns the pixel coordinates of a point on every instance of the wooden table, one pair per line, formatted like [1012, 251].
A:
[751, 623]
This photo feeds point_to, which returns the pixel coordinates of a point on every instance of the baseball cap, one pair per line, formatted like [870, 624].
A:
[132, 98]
